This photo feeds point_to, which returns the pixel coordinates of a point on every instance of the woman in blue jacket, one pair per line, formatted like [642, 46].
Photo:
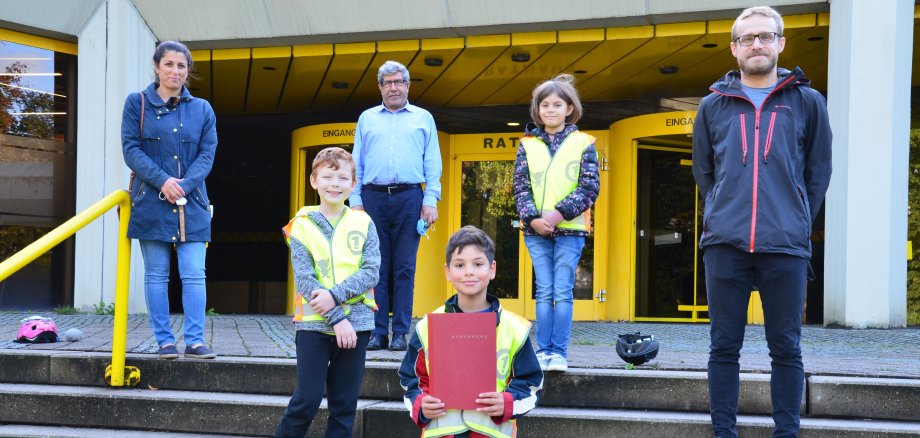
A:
[169, 139]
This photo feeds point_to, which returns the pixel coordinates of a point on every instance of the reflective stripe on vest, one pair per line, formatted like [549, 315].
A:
[511, 333]
[552, 178]
[333, 259]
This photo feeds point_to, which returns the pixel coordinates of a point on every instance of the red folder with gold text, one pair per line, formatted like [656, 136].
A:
[461, 357]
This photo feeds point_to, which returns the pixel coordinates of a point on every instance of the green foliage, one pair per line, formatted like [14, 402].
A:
[104, 309]
[629, 366]
[212, 312]
[66, 310]
[913, 230]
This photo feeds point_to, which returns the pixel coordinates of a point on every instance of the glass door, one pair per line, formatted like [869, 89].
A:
[487, 202]
[670, 282]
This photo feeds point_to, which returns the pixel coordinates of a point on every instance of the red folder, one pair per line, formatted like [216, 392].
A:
[461, 357]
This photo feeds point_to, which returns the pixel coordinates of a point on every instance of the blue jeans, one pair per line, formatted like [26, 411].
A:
[395, 217]
[156, 281]
[730, 276]
[554, 262]
[321, 363]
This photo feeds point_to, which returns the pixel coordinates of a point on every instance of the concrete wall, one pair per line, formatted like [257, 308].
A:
[869, 63]
[115, 51]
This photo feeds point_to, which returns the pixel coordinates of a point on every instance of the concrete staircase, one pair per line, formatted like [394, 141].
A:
[64, 395]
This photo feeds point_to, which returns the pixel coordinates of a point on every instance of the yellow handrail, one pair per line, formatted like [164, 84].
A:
[122, 199]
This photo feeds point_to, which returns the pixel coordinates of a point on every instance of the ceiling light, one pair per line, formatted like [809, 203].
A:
[434, 61]
[30, 74]
[339, 85]
[520, 57]
[710, 45]
[513, 124]
[32, 89]
[668, 69]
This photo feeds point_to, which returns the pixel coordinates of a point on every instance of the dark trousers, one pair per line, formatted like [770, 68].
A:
[395, 217]
[730, 276]
[320, 362]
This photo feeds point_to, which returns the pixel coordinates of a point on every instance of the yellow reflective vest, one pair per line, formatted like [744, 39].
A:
[511, 333]
[334, 259]
[552, 178]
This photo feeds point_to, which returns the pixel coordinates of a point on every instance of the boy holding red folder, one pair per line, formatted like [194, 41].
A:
[470, 266]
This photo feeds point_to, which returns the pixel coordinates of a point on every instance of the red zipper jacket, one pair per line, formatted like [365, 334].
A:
[762, 172]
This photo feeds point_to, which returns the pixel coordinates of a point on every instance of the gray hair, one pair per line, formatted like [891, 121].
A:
[392, 67]
[766, 11]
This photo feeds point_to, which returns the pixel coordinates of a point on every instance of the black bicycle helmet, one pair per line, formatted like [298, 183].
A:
[636, 348]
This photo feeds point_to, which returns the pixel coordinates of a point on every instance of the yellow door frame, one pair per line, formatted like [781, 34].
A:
[503, 146]
[625, 136]
[693, 308]
[429, 274]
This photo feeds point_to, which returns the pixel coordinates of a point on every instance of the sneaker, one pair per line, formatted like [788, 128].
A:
[199, 352]
[543, 358]
[557, 363]
[168, 352]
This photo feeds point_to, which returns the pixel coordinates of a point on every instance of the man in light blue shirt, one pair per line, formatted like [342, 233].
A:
[396, 152]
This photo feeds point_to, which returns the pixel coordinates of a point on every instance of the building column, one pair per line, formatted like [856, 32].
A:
[869, 64]
[115, 59]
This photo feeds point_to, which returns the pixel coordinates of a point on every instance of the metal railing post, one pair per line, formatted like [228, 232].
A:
[122, 275]
[42, 245]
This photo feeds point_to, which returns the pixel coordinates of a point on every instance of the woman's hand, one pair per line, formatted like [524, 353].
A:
[172, 190]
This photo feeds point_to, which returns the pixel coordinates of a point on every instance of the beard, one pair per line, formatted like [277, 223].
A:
[759, 67]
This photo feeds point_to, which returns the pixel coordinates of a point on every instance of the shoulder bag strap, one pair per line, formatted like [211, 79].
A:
[140, 139]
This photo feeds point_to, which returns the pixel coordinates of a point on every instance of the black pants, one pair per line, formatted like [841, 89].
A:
[730, 276]
[320, 362]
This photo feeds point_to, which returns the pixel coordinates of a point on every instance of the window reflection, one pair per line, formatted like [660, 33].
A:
[487, 201]
[37, 169]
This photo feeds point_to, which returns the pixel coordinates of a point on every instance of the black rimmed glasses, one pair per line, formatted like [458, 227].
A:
[397, 83]
[765, 38]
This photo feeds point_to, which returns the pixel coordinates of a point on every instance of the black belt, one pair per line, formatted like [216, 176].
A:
[392, 188]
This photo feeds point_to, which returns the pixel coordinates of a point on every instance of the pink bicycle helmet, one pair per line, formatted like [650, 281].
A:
[37, 330]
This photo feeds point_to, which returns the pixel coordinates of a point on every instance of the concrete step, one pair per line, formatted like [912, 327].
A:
[681, 391]
[36, 431]
[196, 412]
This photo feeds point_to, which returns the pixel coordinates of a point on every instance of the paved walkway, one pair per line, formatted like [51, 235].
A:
[871, 352]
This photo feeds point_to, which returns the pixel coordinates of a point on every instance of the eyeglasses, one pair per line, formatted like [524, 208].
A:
[393, 83]
[765, 38]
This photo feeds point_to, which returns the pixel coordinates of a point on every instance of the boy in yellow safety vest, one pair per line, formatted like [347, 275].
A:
[335, 254]
[519, 382]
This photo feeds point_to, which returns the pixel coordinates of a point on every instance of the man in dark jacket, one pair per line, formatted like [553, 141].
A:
[762, 160]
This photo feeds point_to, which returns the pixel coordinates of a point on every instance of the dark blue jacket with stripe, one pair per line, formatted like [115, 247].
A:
[762, 172]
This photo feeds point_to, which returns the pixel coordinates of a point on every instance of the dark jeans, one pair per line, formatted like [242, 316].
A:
[780, 278]
[395, 217]
[320, 362]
